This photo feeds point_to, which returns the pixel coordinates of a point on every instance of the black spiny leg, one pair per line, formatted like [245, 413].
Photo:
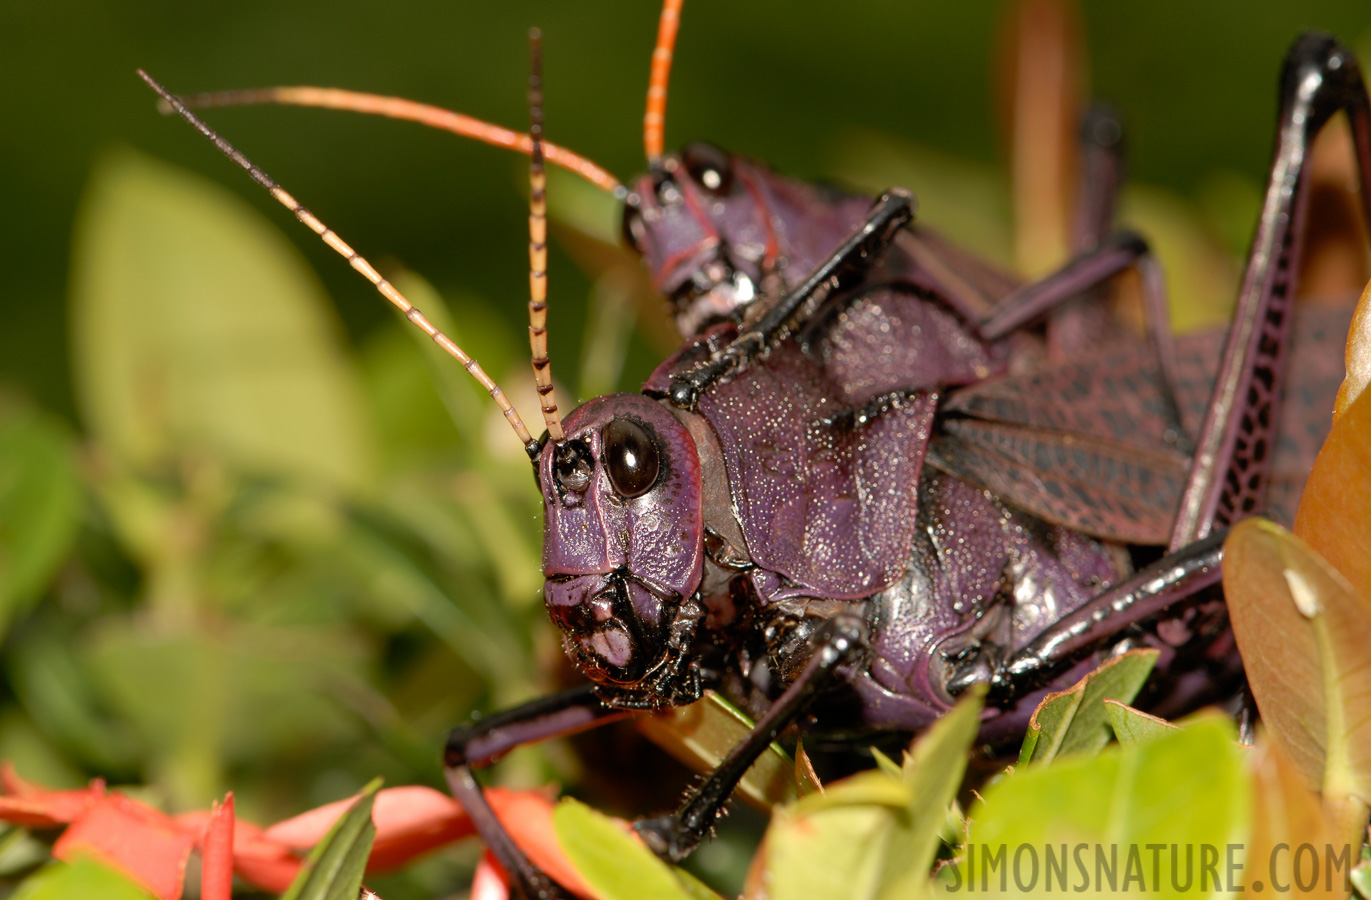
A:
[485, 741]
[1164, 586]
[1233, 452]
[892, 211]
[1232, 458]
[839, 640]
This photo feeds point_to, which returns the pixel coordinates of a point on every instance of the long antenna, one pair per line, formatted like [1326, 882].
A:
[331, 238]
[411, 111]
[537, 246]
[654, 120]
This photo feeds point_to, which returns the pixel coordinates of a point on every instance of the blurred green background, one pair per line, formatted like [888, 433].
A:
[252, 536]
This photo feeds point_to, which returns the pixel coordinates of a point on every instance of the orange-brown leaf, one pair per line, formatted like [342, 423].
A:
[1336, 506]
[1358, 357]
[1302, 633]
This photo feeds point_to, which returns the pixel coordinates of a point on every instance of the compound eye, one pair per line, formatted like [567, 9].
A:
[709, 166]
[572, 465]
[632, 457]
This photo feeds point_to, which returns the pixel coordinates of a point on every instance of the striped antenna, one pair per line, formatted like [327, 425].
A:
[409, 110]
[387, 290]
[537, 246]
[654, 120]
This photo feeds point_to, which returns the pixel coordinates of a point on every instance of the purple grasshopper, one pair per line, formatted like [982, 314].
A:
[796, 512]
[761, 519]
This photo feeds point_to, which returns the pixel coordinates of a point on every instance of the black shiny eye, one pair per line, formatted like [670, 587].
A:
[572, 464]
[632, 458]
[709, 166]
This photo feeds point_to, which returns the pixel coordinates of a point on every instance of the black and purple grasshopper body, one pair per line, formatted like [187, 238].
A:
[848, 504]
[863, 485]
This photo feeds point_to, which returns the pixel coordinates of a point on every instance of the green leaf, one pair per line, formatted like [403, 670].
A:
[84, 878]
[831, 846]
[198, 329]
[333, 870]
[1187, 787]
[702, 734]
[885, 763]
[614, 862]
[873, 835]
[1302, 633]
[1075, 720]
[40, 506]
[1361, 879]
[932, 771]
[1133, 726]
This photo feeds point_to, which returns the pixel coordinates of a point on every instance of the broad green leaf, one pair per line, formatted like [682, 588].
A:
[617, 864]
[1075, 720]
[1361, 879]
[85, 878]
[198, 330]
[702, 734]
[1188, 787]
[1133, 726]
[333, 870]
[1336, 503]
[873, 835]
[1303, 633]
[831, 846]
[40, 506]
[932, 771]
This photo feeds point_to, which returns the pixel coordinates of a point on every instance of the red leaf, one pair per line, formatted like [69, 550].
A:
[33, 806]
[216, 854]
[272, 869]
[409, 821]
[146, 845]
[264, 862]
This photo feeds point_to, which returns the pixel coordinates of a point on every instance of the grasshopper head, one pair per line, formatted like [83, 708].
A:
[623, 548]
